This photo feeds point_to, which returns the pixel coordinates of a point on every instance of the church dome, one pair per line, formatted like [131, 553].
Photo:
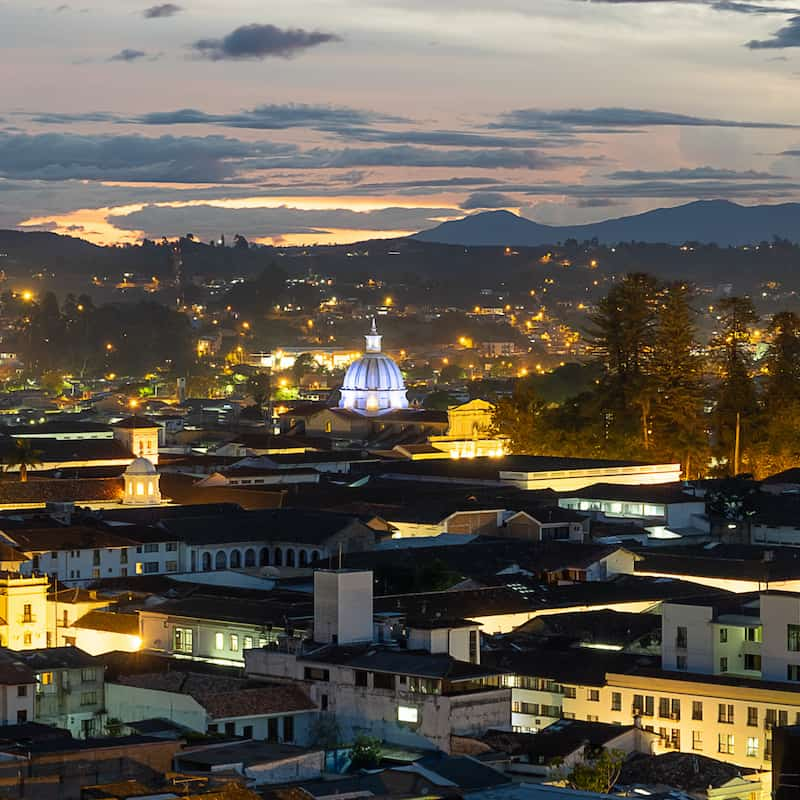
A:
[373, 384]
[141, 466]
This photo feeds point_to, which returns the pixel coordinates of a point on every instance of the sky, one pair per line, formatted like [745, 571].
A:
[342, 120]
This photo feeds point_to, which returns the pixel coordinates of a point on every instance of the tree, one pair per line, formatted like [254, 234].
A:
[451, 373]
[678, 419]
[599, 772]
[366, 752]
[259, 385]
[736, 406]
[520, 418]
[621, 335]
[22, 456]
[782, 362]
[304, 363]
[52, 382]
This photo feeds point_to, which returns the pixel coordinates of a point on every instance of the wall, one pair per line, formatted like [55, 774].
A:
[303, 768]
[572, 480]
[131, 703]
[15, 594]
[699, 651]
[12, 703]
[777, 612]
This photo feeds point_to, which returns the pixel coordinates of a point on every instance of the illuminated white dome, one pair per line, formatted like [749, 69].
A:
[373, 384]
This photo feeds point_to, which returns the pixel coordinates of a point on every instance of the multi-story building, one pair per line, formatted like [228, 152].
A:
[418, 693]
[69, 689]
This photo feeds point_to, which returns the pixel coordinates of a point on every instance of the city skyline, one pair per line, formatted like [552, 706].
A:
[326, 123]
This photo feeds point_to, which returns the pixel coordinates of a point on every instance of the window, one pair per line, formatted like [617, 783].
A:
[725, 714]
[697, 740]
[793, 672]
[88, 698]
[46, 678]
[123, 555]
[723, 635]
[288, 729]
[247, 731]
[360, 677]
[571, 692]
[767, 749]
[770, 718]
[592, 718]
[219, 641]
[593, 695]
[643, 704]
[675, 709]
[22, 716]
[793, 638]
[407, 714]
[171, 547]
[752, 634]
[234, 643]
[663, 707]
[316, 674]
[213, 727]
[616, 701]
[323, 702]
[151, 547]
[230, 729]
[723, 664]
[96, 558]
[248, 643]
[171, 566]
[27, 615]
[150, 567]
[681, 663]
[272, 729]
[752, 716]
[183, 640]
[783, 719]
[22, 691]
[751, 748]
[382, 680]
[752, 661]
[725, 744]
[88, 675]
[473, 647]
[681, 637]
[27, 638]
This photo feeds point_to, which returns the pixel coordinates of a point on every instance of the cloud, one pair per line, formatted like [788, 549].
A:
[209, 220]
[488, 200]
[166, 159]
[787, 36]
[438, 138]
[128, 55]
[261, 41]
[615, 120]
[736, 6]
[163, 10]
[693, 174]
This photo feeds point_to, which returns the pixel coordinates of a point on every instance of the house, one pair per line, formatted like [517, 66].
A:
[69, 690]
[214, 702]
[410, 697]
[556, 749]
[17, 689]
[663, 509]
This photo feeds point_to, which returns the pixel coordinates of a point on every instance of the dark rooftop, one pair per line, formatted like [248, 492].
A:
[660, 493]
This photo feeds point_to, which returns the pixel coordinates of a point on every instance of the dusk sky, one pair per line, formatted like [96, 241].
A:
[339, 120]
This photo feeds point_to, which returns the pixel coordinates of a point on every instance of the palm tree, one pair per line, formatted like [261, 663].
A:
[22, 457]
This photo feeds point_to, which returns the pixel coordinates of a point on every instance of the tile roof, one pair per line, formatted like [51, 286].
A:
[225, 697]
[58, 658]
[109, 621]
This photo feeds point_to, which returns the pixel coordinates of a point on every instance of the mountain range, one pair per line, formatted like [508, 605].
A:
[709, 221]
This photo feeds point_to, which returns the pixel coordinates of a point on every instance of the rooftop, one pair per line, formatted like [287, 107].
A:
[657, 493]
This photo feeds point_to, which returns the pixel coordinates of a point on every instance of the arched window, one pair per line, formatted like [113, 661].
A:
[236, 559]
[263, 557]
[221, 560]
[328, 427]
[314, 556]
[278, 560]
[303, 558]
[290, 557]
[206, 562]
[250, 557]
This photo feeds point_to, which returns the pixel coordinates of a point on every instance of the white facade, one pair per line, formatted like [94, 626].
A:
[342, 607]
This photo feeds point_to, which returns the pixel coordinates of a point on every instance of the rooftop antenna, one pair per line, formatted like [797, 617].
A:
[340, 555]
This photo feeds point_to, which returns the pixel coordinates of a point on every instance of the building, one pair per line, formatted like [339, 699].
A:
[417, 696]
[69, 689]
[139, 436]
[373, 384]
[17, 690]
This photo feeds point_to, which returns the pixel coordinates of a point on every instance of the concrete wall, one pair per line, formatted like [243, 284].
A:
[343, 606]
[699, 649]
[778, 611]
[131, 703]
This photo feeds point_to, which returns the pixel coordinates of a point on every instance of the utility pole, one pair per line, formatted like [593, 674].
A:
[736, 444]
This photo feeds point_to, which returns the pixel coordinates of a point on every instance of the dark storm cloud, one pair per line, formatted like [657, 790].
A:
[488, 200]
[163, 10]
[206, 220]
[261, 41]
[128, 55]
[693, 174]
[168, 159]
[615, 120]
[264, 117]
[787, 36]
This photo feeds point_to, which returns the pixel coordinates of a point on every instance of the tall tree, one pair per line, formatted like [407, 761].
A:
[621, 335]
[678, 419]
[521, 419]
[22, 457]
[736, 406]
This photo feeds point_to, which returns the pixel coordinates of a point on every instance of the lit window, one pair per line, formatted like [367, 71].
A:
[234, 643]
[407, 714]
[139, 488]
[219, 641]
